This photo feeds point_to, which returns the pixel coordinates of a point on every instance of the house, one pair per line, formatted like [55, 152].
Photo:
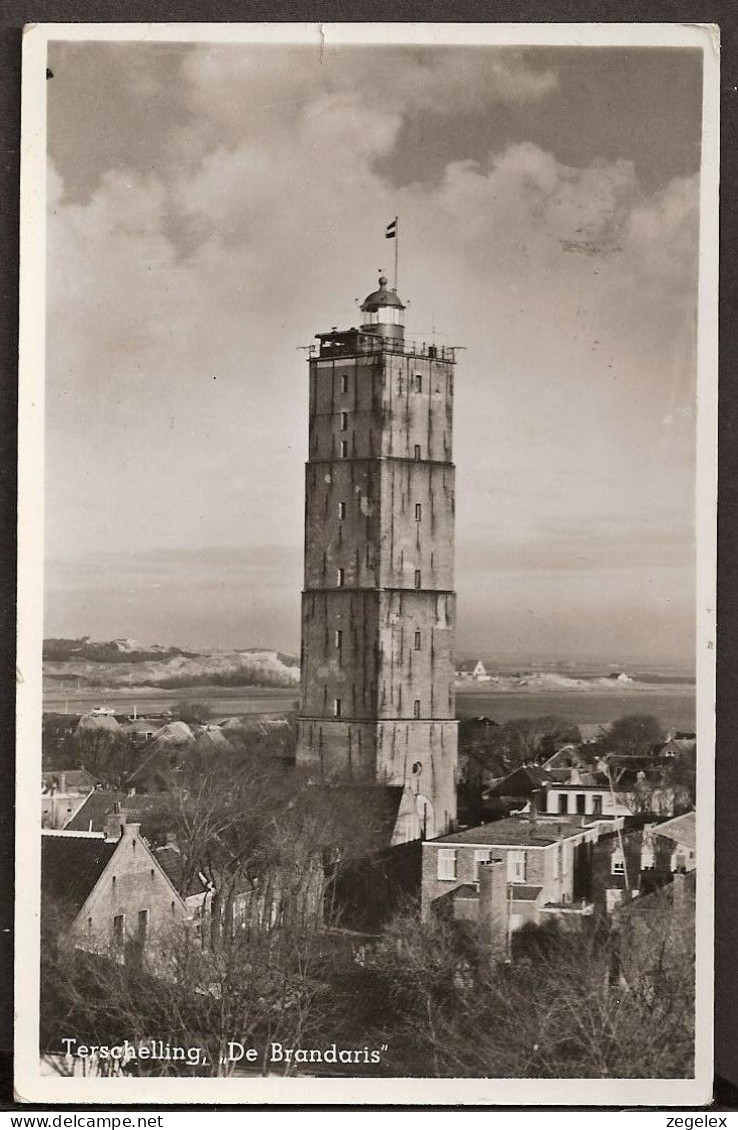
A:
[678, 838]
[642, 861]
[94, 723]
[569, 756]
[473, 671]
[592, 732]
[517, 787]
[547, 867]
[113, 895]
[195, 890]
[593, 800]
[63, 793]
[154, 813]
[141, 730]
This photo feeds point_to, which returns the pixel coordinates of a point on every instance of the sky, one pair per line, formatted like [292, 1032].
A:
[212, 208]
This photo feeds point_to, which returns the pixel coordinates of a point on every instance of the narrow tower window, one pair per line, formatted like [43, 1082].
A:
[418, 382]
[339, 578]
[417, 641]
[344, 421]
[344, 448]
[417, 578]
[337, 707]
[342, 510]
[416, 708]
[339, 638]
[344, 382]
[418, 511]
[417, 451]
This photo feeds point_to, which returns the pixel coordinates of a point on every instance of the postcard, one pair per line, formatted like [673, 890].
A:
[367, 526]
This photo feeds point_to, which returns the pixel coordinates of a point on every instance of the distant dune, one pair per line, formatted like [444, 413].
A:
[548, 682]
[167, 668]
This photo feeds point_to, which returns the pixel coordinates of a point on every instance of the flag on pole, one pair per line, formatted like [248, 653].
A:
[391, 231]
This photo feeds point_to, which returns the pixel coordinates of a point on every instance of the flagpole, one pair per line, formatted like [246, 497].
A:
[397, 247]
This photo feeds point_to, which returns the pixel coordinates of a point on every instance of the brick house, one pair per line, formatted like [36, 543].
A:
[547, 867]
[114, 896]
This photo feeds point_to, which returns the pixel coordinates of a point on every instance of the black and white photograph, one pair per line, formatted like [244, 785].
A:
[366, 552]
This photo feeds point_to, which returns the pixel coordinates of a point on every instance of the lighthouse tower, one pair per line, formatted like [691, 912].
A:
[378, 606]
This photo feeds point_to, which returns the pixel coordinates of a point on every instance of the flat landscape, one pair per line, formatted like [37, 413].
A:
[673, 703]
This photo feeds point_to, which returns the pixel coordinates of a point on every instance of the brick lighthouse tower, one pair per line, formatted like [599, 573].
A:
[378, 606]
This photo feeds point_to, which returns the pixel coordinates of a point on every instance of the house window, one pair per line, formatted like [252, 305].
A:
[119, 928]
[151, 872]
[416, 708]
[344, 449]
[344, 382]
[597, 805]
[337, 707]
[581, 804]
[344, 421]
[340, 578]
[342, 510]
[481, 855]
[417, 641]
[516, 867]
[339, 638]
[563, 804]
[143, 924]
[418, 511]
[417, 578]
[618, 862]
[446, 863]
[417, 451]
[418, 382]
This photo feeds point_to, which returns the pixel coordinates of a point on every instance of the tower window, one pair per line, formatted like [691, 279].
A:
[340, 578]
[417, 451]
[418, 511]
[417, 641]
[344, 448]
[339, 638]
[417, 578]
[337, 707]
[418, 382]
[344, 382]
[416, 708]
[342, 510]
[344, 421]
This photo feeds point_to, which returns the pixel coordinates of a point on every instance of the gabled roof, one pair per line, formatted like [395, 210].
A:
[522, 781]
[72, 865]
[681, 829]
[171, 862]
[137, 809]
[90, 817]
[98, 722]
[74, 779]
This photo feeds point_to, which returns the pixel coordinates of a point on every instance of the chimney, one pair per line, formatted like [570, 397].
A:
[115, 824]
[493, 908]
[680, 896]
[62, 782]
[532, 812]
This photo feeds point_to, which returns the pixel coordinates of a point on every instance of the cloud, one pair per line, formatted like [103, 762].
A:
[178, 298]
